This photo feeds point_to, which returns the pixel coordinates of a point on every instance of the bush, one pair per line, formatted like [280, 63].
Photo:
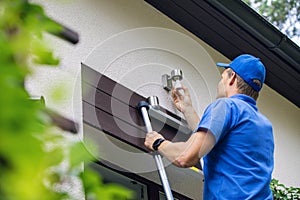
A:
[281, 192]
[35, 157]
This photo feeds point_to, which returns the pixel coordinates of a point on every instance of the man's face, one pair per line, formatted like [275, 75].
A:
[222, 86]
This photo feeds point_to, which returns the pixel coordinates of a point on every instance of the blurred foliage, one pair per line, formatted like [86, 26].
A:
[284, 14]
[281, 192]
[31, 148]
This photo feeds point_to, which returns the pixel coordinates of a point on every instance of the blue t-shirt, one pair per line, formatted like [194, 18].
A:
[241, 163]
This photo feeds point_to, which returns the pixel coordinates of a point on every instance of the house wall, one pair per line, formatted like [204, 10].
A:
[134, 44]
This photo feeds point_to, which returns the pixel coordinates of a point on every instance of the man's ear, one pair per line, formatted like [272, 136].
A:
[232, 78]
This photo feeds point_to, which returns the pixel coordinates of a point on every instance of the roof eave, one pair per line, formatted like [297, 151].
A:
[233, 28]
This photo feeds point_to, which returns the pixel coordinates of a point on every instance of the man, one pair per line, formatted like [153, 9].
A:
[235, 139]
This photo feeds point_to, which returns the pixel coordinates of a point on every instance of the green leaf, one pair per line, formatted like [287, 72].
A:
[41, 54]
[54, 157]
[81, 152]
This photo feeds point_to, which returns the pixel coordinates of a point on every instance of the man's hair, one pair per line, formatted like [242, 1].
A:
[245, 88]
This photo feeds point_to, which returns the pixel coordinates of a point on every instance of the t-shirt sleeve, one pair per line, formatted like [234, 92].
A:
[216, 118]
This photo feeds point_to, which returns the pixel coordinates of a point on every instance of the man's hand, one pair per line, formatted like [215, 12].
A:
[182, 102]
[150, 138]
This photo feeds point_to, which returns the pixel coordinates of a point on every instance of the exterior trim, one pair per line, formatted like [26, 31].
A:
[107, 110]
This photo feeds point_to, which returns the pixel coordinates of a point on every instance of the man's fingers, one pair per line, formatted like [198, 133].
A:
[150, 138]
[174, 93]
[186, 90]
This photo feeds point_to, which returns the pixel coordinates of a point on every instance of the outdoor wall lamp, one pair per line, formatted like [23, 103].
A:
[176, 76]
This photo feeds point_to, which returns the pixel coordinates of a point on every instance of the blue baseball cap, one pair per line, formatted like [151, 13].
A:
[248, 68]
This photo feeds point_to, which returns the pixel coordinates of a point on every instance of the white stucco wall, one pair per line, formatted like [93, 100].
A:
[136, 44]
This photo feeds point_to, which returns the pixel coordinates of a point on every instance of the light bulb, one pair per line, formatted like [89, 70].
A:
[178, 87]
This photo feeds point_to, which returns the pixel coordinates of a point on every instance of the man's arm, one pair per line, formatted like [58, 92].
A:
[183, 154]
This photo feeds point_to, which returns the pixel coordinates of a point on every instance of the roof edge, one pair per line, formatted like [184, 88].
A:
[261, 29]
